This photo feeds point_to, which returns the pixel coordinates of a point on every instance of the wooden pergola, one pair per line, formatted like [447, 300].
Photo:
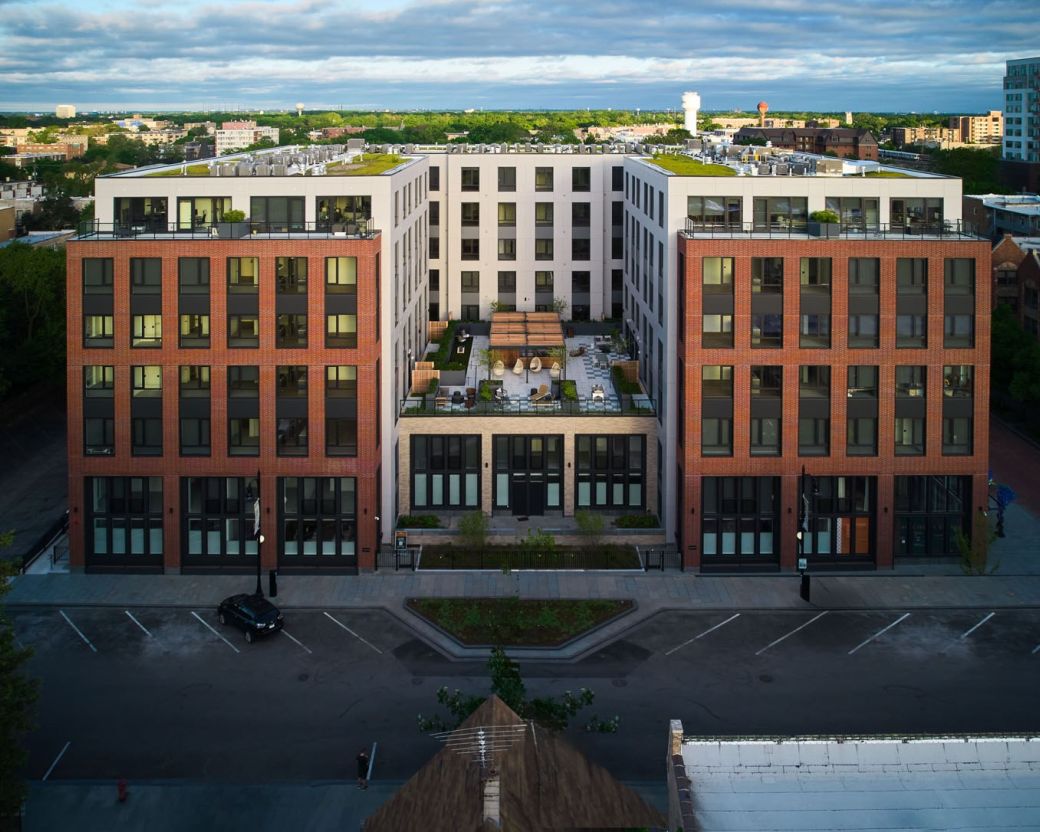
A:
[525, 333]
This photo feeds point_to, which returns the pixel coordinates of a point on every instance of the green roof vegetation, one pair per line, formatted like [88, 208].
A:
[192, 170]
[371, 164]
[886, 174]
[685, 166]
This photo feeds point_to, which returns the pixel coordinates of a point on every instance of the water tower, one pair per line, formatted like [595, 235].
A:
[691, 104]
[299, 110]
[763, 108]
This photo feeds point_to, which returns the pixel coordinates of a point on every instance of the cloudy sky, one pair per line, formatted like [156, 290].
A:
[879, 55]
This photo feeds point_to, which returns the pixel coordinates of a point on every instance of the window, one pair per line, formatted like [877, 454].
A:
[146, 436]
[767, 275]
[435, 248]
[145, 275]
[195, 381]
[146, 331]
[470, 179]
[341, 381]
[956, 436]
[291, 436]
[716, 436]
[957, 381]
[243, 331]
[716, 381]
[781, 213]
[842, 518]
[909, 436]
[855, 213]
[717, 331]
[243, 274]
[863, 381]
[341, 436]
[960, 276]
[277, 213]
[97, 275]
[507, 214]
[470, 249]
[244, 381]
[929, 513]
[470, 213]
[581, 179]
[507, 282]
[911, 275]
[98, 381]
[767, 331]
[814, 436]
[581, 282]
[767, 381]
[471, 312]
[705, 212]
[97, 331]
[815, 274]
[609, 471]
[99, 436]
[543, 250]
[195, 436]
[581, 214]
[910, 381]
[341, 275]
[290, 331]
[863, 331]
[765, 436]
[864, 275]
[507, 249]
[349, 214]
[861, 436]
[244, 436]
[740, 519]
[581, 248]
[470, 281]
[124, 518]
[341, 331]
[617, 178]
[445, 472]
[507, 179]
[219, 517]
[200, 211]
[959, 331]
[435, 213]
[435, 178]
[814, 381]
[911, 331]
[815, 331]
[319, 518]
[291, 275]
[146, 381]
[543, 179]
[543, 281]
[717, 275]
[193, 275]
[916, 215]
[543, 213]
[194, 331]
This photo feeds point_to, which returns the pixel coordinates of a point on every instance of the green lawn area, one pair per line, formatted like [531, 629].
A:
[685, 166]
[515, 622]
[371, 164]
[193, 170]
[886, 174]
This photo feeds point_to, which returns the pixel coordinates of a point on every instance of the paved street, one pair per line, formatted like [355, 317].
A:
[152, 694]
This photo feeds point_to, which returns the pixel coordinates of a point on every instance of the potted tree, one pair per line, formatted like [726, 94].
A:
[233, 224]
[824, 224]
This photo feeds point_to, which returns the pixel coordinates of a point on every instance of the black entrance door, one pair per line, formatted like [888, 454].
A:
[518, 495]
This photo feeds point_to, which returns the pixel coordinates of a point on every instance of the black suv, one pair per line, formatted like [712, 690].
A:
[253, 614]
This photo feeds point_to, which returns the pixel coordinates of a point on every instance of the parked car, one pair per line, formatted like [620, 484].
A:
[253, 614]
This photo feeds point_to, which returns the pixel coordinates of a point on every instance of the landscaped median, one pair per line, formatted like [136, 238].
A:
[516, 622]
[522, 557]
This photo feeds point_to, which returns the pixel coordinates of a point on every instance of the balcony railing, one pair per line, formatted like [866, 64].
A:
[608, 405]
[801, 230]
[95, 230]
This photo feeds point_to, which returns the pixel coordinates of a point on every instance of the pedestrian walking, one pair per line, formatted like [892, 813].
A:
[362, 769]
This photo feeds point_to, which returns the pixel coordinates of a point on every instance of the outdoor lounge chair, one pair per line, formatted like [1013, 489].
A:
[499, 368]
[543, 393]
[536, 365]
[554, 370]
[518, 368]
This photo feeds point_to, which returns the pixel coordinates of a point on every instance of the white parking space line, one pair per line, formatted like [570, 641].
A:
[304, 646]
[138, 623]
[359, 638]
[372, 761]
[78, 631]
[218, 635]
[1036, 649]
[973, 629]
[795, 630]
[702, 635]
[880, 632]
[57, 759]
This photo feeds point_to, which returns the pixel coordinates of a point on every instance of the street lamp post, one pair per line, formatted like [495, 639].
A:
[805, 590]
[259, 538]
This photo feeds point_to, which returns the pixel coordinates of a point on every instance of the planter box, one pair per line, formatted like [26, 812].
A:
[824, 229]
[232, 230]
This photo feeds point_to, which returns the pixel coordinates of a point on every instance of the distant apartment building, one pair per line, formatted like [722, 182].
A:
[1021, 145]
[65, 111]
[839, 141]
[212, 362]
[234, 135]
[7, 221]
[993, 215]
[979, 129]
[71, 147]
[930, 135]
[154, 138]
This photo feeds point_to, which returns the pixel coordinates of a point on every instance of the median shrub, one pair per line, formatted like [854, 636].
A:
[636, 521]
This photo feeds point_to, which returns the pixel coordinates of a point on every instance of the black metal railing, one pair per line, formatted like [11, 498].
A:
[397, 558]
[608, 405]
[96, 230]
[601, 558]
[913, 231]
[59, 526]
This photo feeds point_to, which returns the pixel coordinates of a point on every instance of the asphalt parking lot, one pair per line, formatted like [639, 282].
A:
[156, 693]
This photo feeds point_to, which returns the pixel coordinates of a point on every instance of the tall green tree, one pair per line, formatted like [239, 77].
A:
[18, 695]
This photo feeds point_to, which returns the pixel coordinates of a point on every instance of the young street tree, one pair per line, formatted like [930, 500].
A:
[552, 712]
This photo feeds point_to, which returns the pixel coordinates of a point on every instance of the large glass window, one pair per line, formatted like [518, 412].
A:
[351, 212]
[929, 512]
[341, 331]
[717, 275]
[740, 519]
[194, 331]
[146, 275]
[917, 214]
[841, 521]
[609, 472]
[911, 275]
[857, 214]
[97, 275]
[581, 179]
[543, 179]
[781, 213]
[200, 211]
[318, 519]
[98, 331]
[193, 275]
[290, 275]
[243, 274]
[445, 472]
[714, 211]
[959, 276]
[277, 213]
[124, 519]
[146, 331]
[767, 275]
[243, 331]
[341, 275]
[218, 518]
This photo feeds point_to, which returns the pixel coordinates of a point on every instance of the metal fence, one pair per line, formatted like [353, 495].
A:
[576, 559]
[609, 405]
[56, 528]
[390, 557]
[95, 230]
[880, 231]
